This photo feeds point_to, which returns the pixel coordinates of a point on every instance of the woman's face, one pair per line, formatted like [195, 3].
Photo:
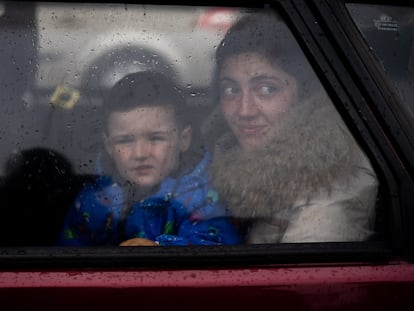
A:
[254, 95]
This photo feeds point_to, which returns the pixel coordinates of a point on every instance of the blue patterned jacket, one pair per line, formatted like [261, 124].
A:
[184, 211]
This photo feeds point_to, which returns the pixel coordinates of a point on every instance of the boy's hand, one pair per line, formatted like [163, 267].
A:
[138, 242]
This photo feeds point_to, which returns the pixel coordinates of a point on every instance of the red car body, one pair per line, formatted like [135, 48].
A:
[358, 286]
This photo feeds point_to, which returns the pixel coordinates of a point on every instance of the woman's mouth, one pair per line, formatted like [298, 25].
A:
[251, 129]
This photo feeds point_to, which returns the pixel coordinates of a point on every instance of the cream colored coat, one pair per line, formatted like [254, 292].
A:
[344, 214]
[312, 184]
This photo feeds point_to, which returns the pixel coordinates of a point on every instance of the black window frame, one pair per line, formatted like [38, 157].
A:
[363, 97]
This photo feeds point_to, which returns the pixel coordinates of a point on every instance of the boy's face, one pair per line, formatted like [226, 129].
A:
[145, 143]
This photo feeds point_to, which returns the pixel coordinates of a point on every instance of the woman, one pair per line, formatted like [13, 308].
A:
[287, 164]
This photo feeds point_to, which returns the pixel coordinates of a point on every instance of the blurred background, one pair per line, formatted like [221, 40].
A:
[57, 60]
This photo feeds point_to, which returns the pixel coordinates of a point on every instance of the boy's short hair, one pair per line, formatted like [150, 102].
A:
[146, 89]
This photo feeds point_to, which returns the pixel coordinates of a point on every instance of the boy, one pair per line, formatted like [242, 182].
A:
[147, 193]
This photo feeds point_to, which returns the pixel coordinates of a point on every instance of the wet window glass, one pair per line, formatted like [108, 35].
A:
[141, 125]
[388, 30]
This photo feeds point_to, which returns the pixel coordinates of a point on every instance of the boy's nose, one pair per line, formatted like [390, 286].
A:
[141, 149]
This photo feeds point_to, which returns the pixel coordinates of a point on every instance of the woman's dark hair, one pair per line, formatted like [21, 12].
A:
[267, 34]
[146, 89]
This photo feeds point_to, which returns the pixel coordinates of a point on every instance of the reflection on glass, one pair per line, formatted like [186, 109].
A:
[159, 125]
[389, 30]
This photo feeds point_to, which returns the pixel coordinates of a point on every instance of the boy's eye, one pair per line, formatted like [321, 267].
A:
[123, 140]
[158, 138]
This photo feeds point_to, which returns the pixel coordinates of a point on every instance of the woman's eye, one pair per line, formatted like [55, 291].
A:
[267, 90]
[229, 91]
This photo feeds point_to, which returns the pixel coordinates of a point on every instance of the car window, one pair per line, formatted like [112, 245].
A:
[249, 148]
[388, 29]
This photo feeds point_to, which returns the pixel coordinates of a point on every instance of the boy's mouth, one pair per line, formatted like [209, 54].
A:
[143, 169]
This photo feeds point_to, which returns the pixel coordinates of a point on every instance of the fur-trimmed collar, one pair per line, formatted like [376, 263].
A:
[313, 148]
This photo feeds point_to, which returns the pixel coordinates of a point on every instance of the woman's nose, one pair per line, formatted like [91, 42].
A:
[247, 106]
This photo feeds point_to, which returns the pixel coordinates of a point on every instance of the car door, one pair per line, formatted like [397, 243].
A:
[374, 274]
